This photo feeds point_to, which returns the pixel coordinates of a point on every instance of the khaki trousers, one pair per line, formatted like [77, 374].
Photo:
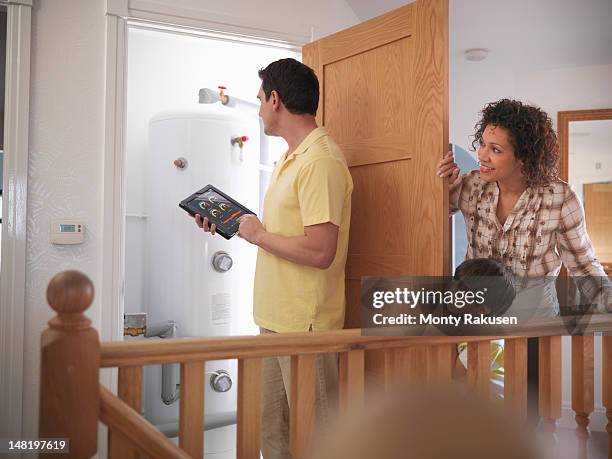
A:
[276, 374]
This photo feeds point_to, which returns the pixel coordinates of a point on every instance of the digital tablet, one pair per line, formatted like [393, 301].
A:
[218, 207]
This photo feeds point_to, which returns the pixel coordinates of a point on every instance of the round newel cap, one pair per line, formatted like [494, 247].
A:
[70, 292]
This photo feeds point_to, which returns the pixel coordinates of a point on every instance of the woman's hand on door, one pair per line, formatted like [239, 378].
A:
[448, 168]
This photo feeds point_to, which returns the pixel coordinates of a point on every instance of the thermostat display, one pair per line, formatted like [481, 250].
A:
[67, 232]
[67, 228]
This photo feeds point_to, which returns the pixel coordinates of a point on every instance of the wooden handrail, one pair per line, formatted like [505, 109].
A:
[130, 424]
[118, 354]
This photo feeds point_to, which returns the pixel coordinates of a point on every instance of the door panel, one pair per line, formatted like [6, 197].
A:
[382, 223]
[384, 100]
[375, 83]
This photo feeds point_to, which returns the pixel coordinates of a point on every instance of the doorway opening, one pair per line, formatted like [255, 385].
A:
[178, 281]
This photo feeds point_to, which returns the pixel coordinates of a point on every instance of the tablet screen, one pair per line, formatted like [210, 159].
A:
[220, 210]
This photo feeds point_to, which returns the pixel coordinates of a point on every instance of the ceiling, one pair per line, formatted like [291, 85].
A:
[537, 33]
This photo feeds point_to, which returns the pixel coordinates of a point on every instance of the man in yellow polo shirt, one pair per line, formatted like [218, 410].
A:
[302, 240]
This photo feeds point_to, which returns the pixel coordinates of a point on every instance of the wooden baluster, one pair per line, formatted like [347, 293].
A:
[351, 382]
[378, 371]
[404, 365]
[440, 361]
[550, 383]
[515, 377]
[583, 388]
[409, 365]
[130, 391]
[606, 343]
[479, 367]
[419, 366]
[69, 368]
[248, 435]
[302, 405]
[191, 411]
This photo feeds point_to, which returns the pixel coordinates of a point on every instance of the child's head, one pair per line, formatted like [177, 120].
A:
[487, 278]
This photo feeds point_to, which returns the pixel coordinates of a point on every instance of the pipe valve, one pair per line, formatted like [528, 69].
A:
[222, 96]
[134, 324]
[239, 140]
[180, 163]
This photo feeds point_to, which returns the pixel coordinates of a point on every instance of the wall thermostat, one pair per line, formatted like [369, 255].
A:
[67, 232]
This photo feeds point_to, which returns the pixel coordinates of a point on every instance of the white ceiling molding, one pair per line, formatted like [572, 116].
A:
[16, 2]
[165, 13]
[212, 34]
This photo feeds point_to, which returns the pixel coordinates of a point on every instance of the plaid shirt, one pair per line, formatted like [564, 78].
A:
[545, 228]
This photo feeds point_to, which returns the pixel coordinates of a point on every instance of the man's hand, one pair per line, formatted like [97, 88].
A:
[250, 228]
[204, 224]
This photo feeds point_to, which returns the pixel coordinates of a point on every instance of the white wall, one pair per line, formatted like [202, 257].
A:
[65, 162]
[67, 134]
[473, 84]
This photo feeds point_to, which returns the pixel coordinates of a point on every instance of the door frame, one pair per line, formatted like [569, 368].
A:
[563, 120]
[14, 211]
[119, 15]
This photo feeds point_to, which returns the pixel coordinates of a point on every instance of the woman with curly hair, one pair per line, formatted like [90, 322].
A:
[516, 208]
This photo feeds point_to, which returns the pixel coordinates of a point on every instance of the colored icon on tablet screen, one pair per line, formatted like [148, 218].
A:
[232, 216]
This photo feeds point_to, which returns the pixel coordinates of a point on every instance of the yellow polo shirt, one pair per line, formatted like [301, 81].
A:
[312, 185]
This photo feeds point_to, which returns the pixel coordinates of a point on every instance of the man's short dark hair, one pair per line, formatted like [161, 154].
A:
[296, 84]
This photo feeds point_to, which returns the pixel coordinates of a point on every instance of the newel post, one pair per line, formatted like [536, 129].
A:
[69, 369]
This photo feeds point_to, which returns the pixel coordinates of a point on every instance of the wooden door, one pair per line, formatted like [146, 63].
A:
[384, 100]
[598, 215]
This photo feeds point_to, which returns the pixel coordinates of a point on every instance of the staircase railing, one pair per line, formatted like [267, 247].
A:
[73, 401]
